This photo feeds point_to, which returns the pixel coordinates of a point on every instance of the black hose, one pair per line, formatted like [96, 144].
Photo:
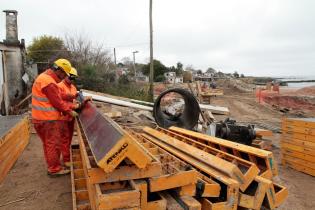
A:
[188, 119]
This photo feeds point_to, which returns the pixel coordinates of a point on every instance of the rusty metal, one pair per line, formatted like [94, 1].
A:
[109, 143]
[263, 159]
[249, 170]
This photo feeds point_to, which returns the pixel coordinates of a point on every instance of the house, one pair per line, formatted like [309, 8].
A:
[15, 80]
[170, 77]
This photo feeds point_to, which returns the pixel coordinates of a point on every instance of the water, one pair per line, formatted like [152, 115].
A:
[298, 84]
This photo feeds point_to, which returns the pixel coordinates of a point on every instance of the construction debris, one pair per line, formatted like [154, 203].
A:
[14, 137]
[298, 144]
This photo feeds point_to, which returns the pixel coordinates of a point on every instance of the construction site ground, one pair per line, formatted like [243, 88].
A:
[27, 186]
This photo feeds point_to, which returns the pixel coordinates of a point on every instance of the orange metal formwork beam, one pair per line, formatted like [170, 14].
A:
[183, 177]
[228, 198]
[249, 169]
[126, 171]
[80, 197]
[263, 159]
[109, 143]
[221, 163]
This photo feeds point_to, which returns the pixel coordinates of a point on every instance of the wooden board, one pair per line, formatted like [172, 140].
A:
[12, 143]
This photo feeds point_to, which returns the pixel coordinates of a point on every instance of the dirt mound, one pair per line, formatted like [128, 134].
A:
[309, 91]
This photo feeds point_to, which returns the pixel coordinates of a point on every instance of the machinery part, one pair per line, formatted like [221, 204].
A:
[110, 144]
[187, 119]
[230, 130]
[263, 159]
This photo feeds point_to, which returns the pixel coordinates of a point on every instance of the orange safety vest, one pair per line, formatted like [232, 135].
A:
[67, 90]
[42, 109]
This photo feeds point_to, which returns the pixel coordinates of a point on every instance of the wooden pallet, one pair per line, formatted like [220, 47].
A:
[12, 143]
[263, 159]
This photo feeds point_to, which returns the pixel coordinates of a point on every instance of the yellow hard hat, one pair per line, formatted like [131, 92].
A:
[74, 72]
[64, 64]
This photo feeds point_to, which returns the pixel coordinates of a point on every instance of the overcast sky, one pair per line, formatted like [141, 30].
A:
[254, 37]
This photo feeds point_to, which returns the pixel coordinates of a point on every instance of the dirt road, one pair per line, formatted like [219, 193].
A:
[28, 187]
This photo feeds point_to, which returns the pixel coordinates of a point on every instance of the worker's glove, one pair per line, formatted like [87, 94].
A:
[87, 98]
[73, 113]
[77, 105]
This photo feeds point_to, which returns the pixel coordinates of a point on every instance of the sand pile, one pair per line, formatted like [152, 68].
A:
[307, 91]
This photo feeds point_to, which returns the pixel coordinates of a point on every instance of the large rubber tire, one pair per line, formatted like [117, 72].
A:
[189, 117]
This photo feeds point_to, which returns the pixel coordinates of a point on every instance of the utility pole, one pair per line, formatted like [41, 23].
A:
[115, 56]
[134, 62]
[151, 92]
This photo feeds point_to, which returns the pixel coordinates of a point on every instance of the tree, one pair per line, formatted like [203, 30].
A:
[242, 76]
[199, 71]
[236, 75]
[179, 68]
[45, 49]
[211, 70]
[83, 52]
[159, 68]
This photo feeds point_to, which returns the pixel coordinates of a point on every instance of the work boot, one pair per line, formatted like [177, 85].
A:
[62, 172]
[68, 164]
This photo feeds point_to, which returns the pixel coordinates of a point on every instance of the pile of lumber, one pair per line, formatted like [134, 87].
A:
[14, 137]
[116, 168]
[298, 144]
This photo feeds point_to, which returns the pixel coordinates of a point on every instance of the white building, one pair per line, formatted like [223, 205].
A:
[170, 77]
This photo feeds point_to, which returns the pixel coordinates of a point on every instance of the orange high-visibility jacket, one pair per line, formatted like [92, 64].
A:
[67, 90]
[42, 109]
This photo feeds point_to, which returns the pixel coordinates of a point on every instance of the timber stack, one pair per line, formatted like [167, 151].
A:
[14, 137]
[298, 144]
[124, 168]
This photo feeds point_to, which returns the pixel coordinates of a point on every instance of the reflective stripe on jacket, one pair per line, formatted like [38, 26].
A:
[42, 109]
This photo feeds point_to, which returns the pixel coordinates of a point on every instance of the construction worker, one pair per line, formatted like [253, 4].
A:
[47, 105]
[68, 93]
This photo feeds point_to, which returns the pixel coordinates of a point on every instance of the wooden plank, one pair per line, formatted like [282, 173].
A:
[299, 122]
[298, 161]
[13, 144]
[301, 149]
[299, 167]
[299, 155]
[291, 135]
[190, 203]
[306, 144]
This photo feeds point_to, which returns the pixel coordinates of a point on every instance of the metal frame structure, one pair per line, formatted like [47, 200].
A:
[263, 159]
[249, 170]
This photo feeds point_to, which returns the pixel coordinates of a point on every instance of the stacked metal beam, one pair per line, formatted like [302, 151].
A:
[120, 171]
[166, 169]
[298, 144]
[249, 189]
